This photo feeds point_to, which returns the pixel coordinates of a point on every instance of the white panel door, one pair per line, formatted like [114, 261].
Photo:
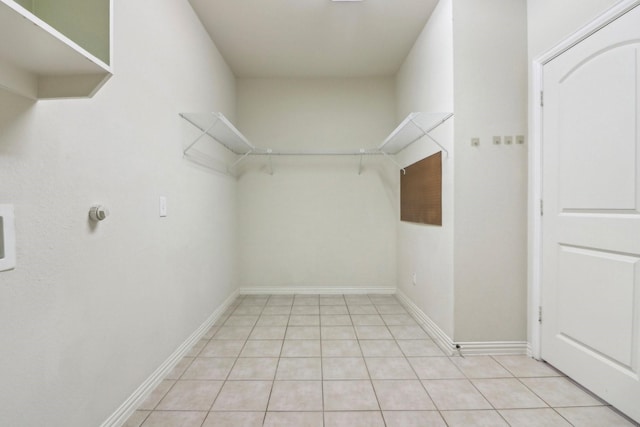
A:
[591, 222]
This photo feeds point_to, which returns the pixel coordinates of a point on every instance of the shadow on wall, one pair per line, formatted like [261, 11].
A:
[15, 113]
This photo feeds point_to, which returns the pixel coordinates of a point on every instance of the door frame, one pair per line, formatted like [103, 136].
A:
[535, 164]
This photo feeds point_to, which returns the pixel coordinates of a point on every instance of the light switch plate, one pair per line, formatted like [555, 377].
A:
[508, 140]
[519, 139]
[475, 142]
[163, 206]
[7, 238]
[497, 140]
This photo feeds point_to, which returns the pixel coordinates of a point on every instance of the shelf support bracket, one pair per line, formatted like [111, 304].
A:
[426, 133]
[237, 162]
[404, 172]
[204, 132]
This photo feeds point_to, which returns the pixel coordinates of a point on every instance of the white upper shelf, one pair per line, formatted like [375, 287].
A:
[37, 61]
[219, 128]
[414, 127]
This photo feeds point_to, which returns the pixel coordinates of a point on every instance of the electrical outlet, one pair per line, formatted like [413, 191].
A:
[519, 139]
[475, 142]
[497, 140]
[508, 140]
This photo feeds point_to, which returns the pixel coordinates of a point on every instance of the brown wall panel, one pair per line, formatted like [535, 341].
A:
[421, 191]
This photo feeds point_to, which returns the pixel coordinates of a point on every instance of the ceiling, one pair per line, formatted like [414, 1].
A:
[313, 38]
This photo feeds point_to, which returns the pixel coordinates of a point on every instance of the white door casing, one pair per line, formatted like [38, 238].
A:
[590, 241]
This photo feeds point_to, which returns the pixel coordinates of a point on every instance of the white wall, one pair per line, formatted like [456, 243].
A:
[90, 312]
[490, 181]
[316, 222]
[425, 83]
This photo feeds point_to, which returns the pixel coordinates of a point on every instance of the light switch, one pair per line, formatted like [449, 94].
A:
[508, 140]
[163, 206]
[475, 142]
[519, 139]
[497, 140]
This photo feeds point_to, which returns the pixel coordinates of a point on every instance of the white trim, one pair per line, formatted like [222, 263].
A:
[449, 347]
[317, 290]
[535, 159]
[438, 335]
[493, 348]
[120, 416]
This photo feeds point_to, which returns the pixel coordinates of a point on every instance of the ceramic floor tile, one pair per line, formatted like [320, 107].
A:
[349, 396]
[399, 320]
[332, 300]
[238, 320]
[209, 368]
[420, 348]
[234, 419]
[293, 419]
[276, 310]
[254, 368]
[306, 300]
[357, 300]
[367, 319]
[248, 310]
[136, 419]
[559, 391]
[304, 320]
[296, 396]
[595, 416]
[335, 320]
[306, 309]
[299, 368]
[354, 419]
[480, 367]
[390, 368]
[268, 333]
[373, 333]
[197, 348]
[273, 320]
[455, 395]
[536, 417]
[262, 348]
[524, 366]
[222, 348]
[156, 395]
[301, 348]
[383, 299]
[280, 300]
[413, 419]
[362, 309]
[338, 333]
[233, 333]
[175, 418]
[390, 309]
[243, 396]
[334, 309]
[508, 393]
[380, 348]
[211, 332]
[341, 348]
[402, 395]
[190, 395]
[303, 333]
[179, 369]
[411, 332]
[435, 368]
[488, 418]
[255, 299]
[344, 368]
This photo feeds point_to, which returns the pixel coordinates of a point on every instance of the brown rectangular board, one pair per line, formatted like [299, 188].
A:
[421, 191]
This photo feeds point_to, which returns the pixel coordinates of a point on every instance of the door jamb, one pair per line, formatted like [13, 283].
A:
[535, 162]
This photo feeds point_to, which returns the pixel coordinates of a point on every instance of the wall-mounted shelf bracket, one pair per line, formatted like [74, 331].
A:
[217, 127]
[404, 172]
[414, 127]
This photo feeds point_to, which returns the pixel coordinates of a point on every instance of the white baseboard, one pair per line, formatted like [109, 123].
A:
[438, 335]
[316, 290]
[446, 344]
[120, 416]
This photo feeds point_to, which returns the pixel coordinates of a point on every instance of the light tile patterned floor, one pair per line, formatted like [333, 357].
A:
[356, 361]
